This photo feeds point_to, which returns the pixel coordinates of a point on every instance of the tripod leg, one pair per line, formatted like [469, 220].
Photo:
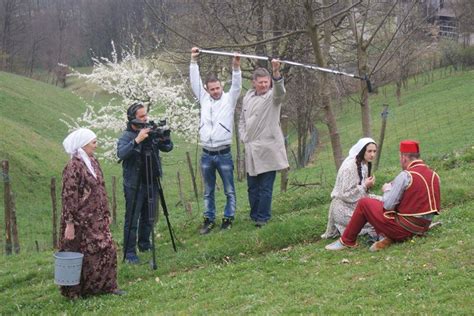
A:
[165, 212]
[151, 197]
[153, 262]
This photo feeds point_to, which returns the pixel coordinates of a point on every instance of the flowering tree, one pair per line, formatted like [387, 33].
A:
[135, 80]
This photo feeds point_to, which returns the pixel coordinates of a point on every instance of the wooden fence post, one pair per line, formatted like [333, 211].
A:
[16, 241]
[114, 200]
[284, 173]
[238, 157]
[382, 135]
[186, 205]
[193, 178]
[7, 206]
[55, 216]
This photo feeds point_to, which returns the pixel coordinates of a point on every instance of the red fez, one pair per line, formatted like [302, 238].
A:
[409, 146]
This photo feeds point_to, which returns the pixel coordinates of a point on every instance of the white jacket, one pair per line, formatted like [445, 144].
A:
[217, 116]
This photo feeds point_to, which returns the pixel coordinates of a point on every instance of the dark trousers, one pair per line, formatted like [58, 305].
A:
[142, 221]
[260, 190]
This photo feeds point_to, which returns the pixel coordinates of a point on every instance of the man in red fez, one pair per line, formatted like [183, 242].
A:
[407, 208]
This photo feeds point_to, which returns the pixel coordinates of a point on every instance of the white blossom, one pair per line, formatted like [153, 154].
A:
[135, 80]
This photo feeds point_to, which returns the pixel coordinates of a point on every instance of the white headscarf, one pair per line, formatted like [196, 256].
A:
[74, 142]
[359, 145]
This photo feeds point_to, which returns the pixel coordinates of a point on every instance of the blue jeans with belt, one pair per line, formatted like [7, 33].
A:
[222, 163]
[260, 190]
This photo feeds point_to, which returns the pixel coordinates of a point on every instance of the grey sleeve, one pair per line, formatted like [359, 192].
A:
[279, 91]
[392, 197]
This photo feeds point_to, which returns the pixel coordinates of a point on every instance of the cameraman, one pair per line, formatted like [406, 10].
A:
[129, 149]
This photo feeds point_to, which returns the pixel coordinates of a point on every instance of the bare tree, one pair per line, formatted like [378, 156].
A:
[464, 11]
[363, 36]
[304, 110]
[12, 31]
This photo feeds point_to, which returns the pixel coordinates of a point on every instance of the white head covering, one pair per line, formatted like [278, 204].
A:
[359, 145]
[74, 142]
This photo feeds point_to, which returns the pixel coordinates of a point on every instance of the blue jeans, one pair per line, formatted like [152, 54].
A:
[141, 222]
[225, 167]
[260, 190]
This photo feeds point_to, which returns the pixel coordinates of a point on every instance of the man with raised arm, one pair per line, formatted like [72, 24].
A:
[215, 130]
[260, 131]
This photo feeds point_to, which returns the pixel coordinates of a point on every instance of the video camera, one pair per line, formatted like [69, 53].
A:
[159, 131]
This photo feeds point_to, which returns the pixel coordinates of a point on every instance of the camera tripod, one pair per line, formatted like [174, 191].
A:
[148, 156]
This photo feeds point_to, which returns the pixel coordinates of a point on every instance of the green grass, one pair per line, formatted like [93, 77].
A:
[281, 268]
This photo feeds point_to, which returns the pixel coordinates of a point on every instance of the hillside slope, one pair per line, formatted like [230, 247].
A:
[31, 130]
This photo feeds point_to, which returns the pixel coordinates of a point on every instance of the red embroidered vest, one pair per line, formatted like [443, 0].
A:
[422, 196]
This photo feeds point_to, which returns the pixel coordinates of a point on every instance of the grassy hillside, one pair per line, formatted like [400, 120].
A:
[31, 130]
[281, 268]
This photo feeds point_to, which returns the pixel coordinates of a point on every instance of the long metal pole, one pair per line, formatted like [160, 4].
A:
[213, 52]
[293, 63]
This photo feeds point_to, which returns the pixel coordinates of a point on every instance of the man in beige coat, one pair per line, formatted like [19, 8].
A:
[261, 133]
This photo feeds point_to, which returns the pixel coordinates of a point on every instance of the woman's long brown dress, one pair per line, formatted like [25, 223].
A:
[84, 203]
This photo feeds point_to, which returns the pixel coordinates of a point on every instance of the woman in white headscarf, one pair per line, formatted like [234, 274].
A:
[85, 218]
[353, 182]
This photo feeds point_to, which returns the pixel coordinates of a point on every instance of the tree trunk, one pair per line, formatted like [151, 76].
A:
[313, 33]
[364, 98]
[7, 207]
[260, 48]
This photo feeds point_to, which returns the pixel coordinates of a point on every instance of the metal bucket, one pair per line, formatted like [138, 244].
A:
[67, 268]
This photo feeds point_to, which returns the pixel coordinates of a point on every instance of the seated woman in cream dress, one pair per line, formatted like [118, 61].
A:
[352, 183]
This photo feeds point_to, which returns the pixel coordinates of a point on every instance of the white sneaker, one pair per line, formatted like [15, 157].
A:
[435, 224]
[337, 245]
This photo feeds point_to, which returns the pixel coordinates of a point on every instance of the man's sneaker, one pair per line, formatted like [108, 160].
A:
[260, 224]
[132, 258]
[226, 223]
[206, 226]
[382, 244]
[435, 224]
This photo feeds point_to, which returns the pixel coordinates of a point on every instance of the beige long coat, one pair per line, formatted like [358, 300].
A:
[260, 130]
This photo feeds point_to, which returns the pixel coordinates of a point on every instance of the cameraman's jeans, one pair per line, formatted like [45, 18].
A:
[260, 190]
[225, 167]
[140, 221]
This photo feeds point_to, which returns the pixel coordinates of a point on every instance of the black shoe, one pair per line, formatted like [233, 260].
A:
[226, 223]
[206, 226]
[260, 224]
[131, 258]
[119, 292]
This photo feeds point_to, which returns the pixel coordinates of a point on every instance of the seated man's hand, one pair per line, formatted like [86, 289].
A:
[386, 187]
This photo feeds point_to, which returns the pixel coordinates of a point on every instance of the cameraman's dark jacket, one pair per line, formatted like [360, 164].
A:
[131, 155]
